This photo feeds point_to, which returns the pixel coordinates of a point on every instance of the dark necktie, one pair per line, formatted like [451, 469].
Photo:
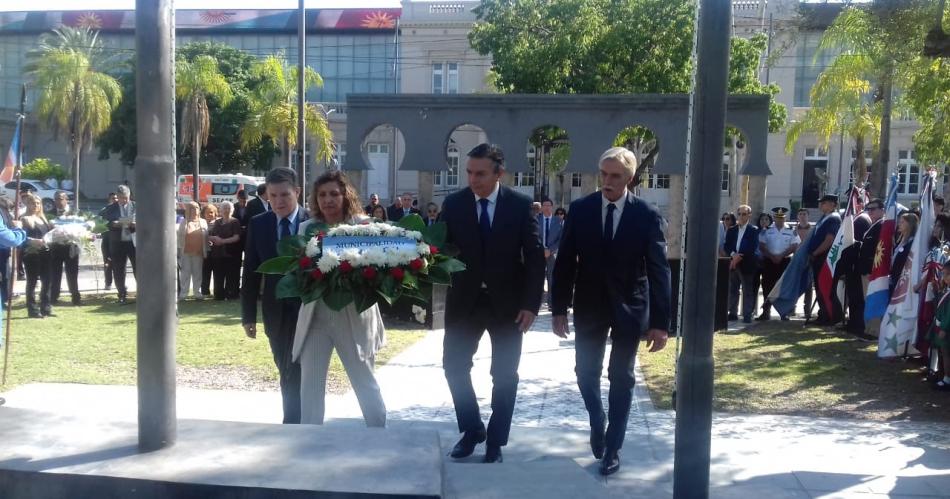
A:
[484, 223]
[547, 231]
[284, 228]
[609, 222]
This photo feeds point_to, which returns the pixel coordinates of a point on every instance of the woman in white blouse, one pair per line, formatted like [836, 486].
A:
[355, 336]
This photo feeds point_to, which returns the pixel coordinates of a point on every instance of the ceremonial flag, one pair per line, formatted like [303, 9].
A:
[794, 281]
[9, 166]
[843, 239]
[875, 305]
[899, 326]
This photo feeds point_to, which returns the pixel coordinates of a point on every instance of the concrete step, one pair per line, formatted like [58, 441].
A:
[547, 478]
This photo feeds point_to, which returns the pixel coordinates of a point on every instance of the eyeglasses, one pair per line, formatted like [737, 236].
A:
[869, 208]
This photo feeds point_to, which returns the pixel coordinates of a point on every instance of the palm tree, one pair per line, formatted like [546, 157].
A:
[840, 102]
[74, 97]
[195, 82]
[273, 109]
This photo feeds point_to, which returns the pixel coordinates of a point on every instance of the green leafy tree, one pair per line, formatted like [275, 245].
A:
[42, 169]
[196, 82]
[601, 46]
[74, 98]
[272, 113]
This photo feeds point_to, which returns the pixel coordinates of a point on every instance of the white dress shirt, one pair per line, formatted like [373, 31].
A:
[742, 228]
[492, 202]
[619, 203]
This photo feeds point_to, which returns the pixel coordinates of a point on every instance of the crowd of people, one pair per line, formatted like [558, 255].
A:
[759, 251]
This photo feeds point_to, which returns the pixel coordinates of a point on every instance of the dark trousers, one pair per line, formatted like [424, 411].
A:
[61, 258]
[589, 347]
[37, 269]
[106, 247]
[282, 347]
[5, 275]
[854, 289]
[206, 270]
[227, 274]
[459, 346]
[771, 273]
[749, 282]
[123, 252]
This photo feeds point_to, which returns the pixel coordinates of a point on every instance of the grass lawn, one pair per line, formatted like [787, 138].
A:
[784, 368]
[95, 344]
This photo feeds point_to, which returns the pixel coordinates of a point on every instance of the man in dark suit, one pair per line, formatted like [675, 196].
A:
[612, 265]
[64, 256]
[818, 246]
[499, 291]
[867, 249]
[402, 207]
[550, 235]
[432, 214]
[373, 203]
[121, 222]
[257, 205]
[280, 315]
[742, 241]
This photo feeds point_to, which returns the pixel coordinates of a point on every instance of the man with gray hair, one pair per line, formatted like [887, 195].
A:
[612, 266]
[121, 222]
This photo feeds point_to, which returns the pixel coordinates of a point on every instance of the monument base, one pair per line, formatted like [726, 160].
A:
[50, 456]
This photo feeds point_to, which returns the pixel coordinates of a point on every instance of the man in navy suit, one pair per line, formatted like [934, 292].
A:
[499, 291]
[280, 315]
[612, 265]
[550, 234]
[742, 241]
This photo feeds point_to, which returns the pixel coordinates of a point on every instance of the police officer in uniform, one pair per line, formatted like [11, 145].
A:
[777, 245]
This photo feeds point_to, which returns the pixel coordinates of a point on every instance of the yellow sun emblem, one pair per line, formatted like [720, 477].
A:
[878, 254]
[378, 20]
[89, 20]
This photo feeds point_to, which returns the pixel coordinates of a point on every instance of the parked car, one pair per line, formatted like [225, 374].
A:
[42, 189]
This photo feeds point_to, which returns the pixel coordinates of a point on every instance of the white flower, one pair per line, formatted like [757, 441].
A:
[313, 247]
[423, 249]
[420, 314]
[414, 234]
[328, 262]
[353, 256]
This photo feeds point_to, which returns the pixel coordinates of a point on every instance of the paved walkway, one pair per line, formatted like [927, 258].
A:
[752, 456]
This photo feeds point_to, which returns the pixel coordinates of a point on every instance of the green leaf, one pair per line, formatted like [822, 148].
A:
[412, 222]
[287, 287]
[388, 286]
[390, 299]
[435, 234]
[439, 275]
[337, 299]
[278, 265]
[410, 281]
[364, 300]
[451, 265]
[315, 228]
[291, 246]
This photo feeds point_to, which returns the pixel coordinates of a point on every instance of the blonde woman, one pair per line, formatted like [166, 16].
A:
[36, 260]
[355, 336]
[193, 247]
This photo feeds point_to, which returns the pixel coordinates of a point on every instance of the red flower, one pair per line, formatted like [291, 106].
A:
[305, 262]
[433, 249]
[369, 273]
[416, 264]
[345, 267]
[316, 274]
[398, 273]
[321, 234]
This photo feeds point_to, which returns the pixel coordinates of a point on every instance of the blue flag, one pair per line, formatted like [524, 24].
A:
[794, 281]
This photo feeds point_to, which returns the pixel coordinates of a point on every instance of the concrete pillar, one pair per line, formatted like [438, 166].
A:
[756, 194]
[674, 228]
[356, 178]
[588, 183]
[425, 189]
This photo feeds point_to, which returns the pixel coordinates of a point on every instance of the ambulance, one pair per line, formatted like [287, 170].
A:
[217, 188]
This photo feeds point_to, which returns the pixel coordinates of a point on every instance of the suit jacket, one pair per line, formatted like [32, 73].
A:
[260, 246]
[746, 247]
[254, 208]
[113, 213]
[395, 213]
[627, 278]
[512, 263]
[366, 328]
[868, 248]
[554, 238]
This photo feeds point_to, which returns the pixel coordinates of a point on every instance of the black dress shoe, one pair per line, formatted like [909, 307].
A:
[493, 454]
[733, 317]
[763, 317]
[466, 445]
[610, 463]
[598, 438]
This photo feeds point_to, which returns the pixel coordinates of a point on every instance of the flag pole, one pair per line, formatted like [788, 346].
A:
[21, 117]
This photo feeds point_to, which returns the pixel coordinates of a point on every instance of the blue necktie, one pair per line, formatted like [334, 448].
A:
[609, 222]
[547, 232]
[284, 227]
[484, 223]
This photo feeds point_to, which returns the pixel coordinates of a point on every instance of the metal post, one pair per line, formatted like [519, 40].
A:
[155, 234]
[302, 98]
[706, 138]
